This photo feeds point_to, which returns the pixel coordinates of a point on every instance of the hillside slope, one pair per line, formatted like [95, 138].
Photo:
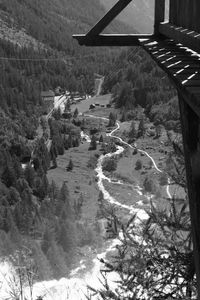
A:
[54, 22]
[37, 53]
[138, 14]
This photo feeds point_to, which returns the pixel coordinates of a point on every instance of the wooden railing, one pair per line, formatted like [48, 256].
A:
[184, 22]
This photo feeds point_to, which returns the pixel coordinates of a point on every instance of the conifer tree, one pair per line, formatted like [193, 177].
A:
[93, 143]
[101, 139]
[9, 177]
[70, 165]
[76, 113]
[133, 132]
[29, 175]
[64, 206]
[67, 106]
[78, 206]
[112, 119]
[141, 128]
[123, 117]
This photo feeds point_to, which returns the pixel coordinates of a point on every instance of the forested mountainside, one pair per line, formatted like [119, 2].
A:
[138, 14]
[136, 80]
[43, 29]
[38, 53]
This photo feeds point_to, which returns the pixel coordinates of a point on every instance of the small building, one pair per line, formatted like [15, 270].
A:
[92, 106]
[47, 100]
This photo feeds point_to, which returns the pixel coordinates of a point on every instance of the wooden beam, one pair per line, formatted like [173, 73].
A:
[188, 38]
[111, 39]
[190, 130]
[159, 15]
[107, 19]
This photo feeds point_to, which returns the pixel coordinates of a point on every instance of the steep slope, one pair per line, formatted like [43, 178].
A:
[53, 22]
[139, 14]
[37, 53]
[43, 29]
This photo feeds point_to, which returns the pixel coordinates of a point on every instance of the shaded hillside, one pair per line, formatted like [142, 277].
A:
[43, 29]
[138, 14]
[53, 22]
[38, 53]
[137, 80]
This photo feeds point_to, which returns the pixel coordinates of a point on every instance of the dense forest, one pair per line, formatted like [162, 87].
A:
[38, 53]
[135, 80]
[33, 211]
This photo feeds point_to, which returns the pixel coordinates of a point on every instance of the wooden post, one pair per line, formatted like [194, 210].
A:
[107, 19]
[190, 130]
[159, 15]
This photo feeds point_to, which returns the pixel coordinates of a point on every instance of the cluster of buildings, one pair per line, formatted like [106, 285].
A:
[49, 97]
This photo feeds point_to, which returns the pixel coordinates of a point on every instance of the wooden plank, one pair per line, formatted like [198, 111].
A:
[185, 76]
[159, 15]
[175, 71]
[190, 131]
[191, 41]
[111, 39]
[185, 60]
[107, 19]
[178, 65]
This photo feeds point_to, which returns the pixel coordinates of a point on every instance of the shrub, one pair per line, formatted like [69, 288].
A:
[110, 164]
[138, 165]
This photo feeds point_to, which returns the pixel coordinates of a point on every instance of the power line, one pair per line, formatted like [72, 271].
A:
[31, 59]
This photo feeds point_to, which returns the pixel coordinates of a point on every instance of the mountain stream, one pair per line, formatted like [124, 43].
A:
[75, 287]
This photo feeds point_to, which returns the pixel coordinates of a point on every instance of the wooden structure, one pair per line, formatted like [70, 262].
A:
[170, 46]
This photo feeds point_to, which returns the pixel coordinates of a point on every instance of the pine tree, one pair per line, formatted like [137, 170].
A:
[65, 142]
[53, 191]
[76, 113]
[70, 165]
[133, 132]
[67, 106]
[9, 177]
[29, 175]
[70, 140]
[101, 139]
[112, 119]
[57, 113]
[138, 165]
[64, 208]
[78, 206]
[93, 143]
[123, 117]
[141, 128]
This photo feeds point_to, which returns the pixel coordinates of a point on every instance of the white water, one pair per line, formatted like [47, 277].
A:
[75, 288]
